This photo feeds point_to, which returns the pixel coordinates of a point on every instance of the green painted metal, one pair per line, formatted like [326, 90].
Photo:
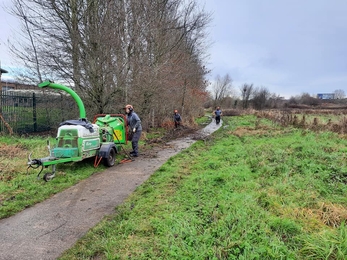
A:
[115, 126]
[90, 144]
[69, 91]
[65, 153]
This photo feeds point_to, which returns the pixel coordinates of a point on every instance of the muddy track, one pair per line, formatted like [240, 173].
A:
[47, 229]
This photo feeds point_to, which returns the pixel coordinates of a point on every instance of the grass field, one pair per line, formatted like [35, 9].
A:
[21, 188]
[253, 191]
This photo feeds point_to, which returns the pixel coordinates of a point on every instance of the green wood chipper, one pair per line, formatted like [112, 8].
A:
[79, 139]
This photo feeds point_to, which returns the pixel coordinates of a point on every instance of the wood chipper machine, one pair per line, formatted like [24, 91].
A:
[79, 139]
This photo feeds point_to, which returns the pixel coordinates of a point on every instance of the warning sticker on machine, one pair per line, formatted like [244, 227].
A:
[117, 135]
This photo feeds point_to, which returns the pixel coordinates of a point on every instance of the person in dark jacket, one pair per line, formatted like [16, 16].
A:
[134, 122]
[177, 118]
[218, 114]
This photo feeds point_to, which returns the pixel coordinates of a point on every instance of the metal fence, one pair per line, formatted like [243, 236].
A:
[23, 112]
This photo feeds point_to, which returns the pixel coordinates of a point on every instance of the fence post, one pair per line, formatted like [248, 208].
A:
[34, 112]
[1, 98]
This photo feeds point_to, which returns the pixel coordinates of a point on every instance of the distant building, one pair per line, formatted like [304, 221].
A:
[13, 86]
[326, 96]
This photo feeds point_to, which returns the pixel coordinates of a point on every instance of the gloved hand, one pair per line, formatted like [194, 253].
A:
[134, 130]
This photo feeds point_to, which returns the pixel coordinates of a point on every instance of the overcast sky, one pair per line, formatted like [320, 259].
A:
[288, 46]
[7, 26]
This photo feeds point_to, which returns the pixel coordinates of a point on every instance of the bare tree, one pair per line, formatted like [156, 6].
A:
[307, 99]
[71, 44]
[221, 88]
[339, 94]
[274, 101]
[116, 52]
[173, 44]
[246, 92]
[260, 97]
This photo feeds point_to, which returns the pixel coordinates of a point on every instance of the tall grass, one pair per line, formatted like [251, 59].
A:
[20, 188]
[253, 191]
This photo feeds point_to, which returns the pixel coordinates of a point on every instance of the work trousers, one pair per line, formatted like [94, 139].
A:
[217, 119]
[135, 142]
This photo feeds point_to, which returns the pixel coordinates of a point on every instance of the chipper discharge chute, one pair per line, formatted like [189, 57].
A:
[80, 139]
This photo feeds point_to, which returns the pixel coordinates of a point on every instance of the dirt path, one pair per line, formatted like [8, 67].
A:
[47, 229]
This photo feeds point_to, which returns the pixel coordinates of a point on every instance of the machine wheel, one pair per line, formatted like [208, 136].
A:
[109, 161]
[48, 176]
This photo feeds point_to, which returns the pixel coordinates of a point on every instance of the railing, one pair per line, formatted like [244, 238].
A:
[24, 112]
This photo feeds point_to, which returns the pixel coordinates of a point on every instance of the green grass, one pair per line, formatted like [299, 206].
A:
[324, 118]
[250, 192]
[21, 188]
[203, 120]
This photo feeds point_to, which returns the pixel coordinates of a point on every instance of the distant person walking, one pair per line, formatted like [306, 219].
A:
[218, 113]
[134, 123]
[177, 118]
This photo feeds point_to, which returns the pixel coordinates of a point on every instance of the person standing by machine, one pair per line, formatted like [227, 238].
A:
[177, 118]
[134, 122]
